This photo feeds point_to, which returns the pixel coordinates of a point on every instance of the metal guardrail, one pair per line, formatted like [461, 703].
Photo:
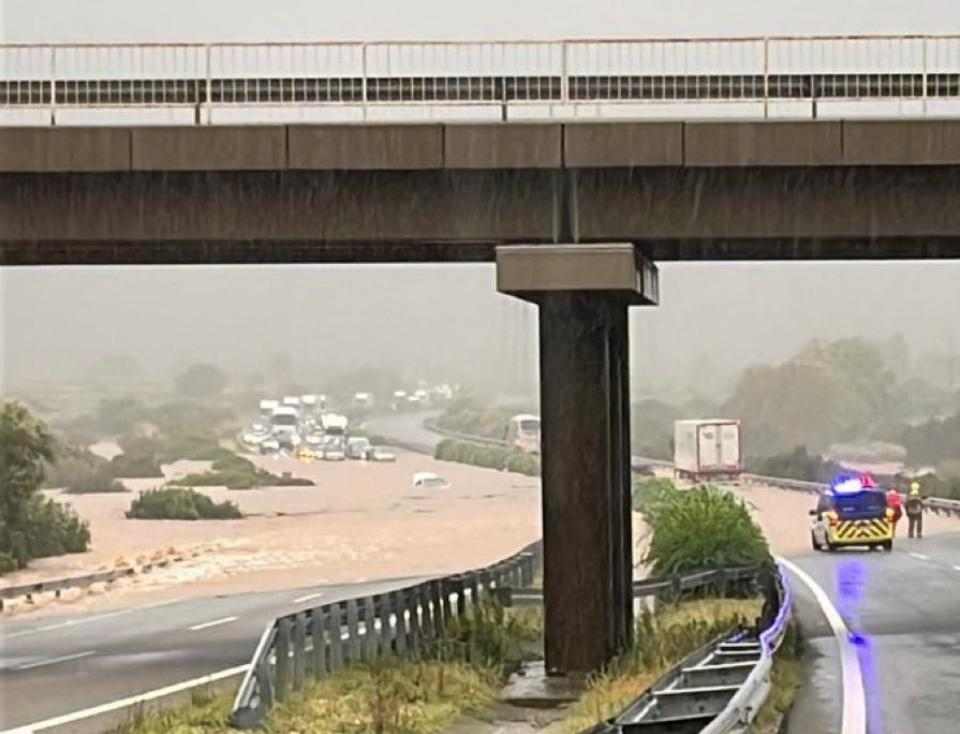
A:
[58, 585]
[718, 689]
[81, 581]
[403, 622]
[558, 74]
[663, 588]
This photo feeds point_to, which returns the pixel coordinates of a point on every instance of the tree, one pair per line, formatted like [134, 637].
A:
[201, 381]
[25, 445]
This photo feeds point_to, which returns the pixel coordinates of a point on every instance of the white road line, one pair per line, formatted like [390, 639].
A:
[68, 623]
[308, 597]
[854, 698]
[54, 661]
[919, 556]
[214, 623]
[126, 702]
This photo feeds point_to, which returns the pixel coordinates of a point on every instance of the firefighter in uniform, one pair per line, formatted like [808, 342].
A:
[915, 512]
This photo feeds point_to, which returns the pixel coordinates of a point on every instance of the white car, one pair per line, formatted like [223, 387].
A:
[378, 453]
[429, 480]
[357, 447]
[269, 445]
[333, 451]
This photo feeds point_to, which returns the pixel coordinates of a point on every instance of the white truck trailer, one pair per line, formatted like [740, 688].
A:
[707, 449]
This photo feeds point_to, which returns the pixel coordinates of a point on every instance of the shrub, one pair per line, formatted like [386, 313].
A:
[8, 564]
[523, 464]
[132, 465]
[235, 472]
[651, 496]
[170, 503]
[48, 529]
[704, 528]
[95, 482]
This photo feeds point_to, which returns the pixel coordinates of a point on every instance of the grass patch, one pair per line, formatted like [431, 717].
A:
[390, 696]
[170, 503]
[786, 679]
[662, 640]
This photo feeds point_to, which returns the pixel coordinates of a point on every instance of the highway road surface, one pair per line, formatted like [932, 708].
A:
[98, 658]
[906, 608]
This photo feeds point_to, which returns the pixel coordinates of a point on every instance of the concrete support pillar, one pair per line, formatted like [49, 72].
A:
[586, 546]
[583, 292]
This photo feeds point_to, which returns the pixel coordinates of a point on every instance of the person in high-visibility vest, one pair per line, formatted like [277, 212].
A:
[915, 511]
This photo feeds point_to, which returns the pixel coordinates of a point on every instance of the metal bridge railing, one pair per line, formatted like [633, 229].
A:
[562, 74]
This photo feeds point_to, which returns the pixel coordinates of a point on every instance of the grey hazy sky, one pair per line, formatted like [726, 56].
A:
[33, 21]
[57, 321]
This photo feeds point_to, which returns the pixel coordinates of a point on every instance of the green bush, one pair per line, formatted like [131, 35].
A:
[94, 482]
[704, 528]
[235, 472]
[521, 463]
[651, 496]
[169, 503]
[48, 529]
[8, 564]
[128, 465]
[488, 457]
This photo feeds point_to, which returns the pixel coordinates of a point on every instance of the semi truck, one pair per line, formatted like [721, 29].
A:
[707, 449]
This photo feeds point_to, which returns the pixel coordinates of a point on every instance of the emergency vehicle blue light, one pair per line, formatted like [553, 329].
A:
[847, 485]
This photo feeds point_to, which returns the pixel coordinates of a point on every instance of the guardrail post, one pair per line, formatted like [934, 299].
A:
[354, 644]
[473, 588]
[384, 606]
[370, 632]
[439, 620]
[766, 78]
[264, 684]
[400, 622]
[335, 632]
[318, 620]
[283, 659]
[443, 590]
[457, 586]
[416, 628]
[209, 86]
[299, 651]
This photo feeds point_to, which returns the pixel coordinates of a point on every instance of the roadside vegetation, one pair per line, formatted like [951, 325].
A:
[489, 457]
[169, 503]
[663, 639]
[786, 679]
[459, 674]
[697, 529]
[236, 472]
[467, 414]
[31, 526]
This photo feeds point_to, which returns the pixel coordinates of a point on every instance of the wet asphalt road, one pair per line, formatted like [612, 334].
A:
[907, 607]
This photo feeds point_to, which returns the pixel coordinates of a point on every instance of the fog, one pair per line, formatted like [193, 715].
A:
[34, 21]
[714, 319]
[448, 321]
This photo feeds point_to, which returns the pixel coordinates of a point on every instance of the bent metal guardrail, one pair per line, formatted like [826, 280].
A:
[718, 689]
[557, 74]
[321, 640]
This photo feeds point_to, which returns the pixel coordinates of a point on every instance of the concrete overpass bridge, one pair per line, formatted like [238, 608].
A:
[575, 212]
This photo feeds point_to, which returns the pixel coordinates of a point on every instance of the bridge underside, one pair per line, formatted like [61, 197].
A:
[781, 213]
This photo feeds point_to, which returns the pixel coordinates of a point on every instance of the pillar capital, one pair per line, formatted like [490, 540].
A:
[616, 269]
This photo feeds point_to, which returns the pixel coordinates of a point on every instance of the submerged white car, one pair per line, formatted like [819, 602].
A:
[429, 480]
[378, 453]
